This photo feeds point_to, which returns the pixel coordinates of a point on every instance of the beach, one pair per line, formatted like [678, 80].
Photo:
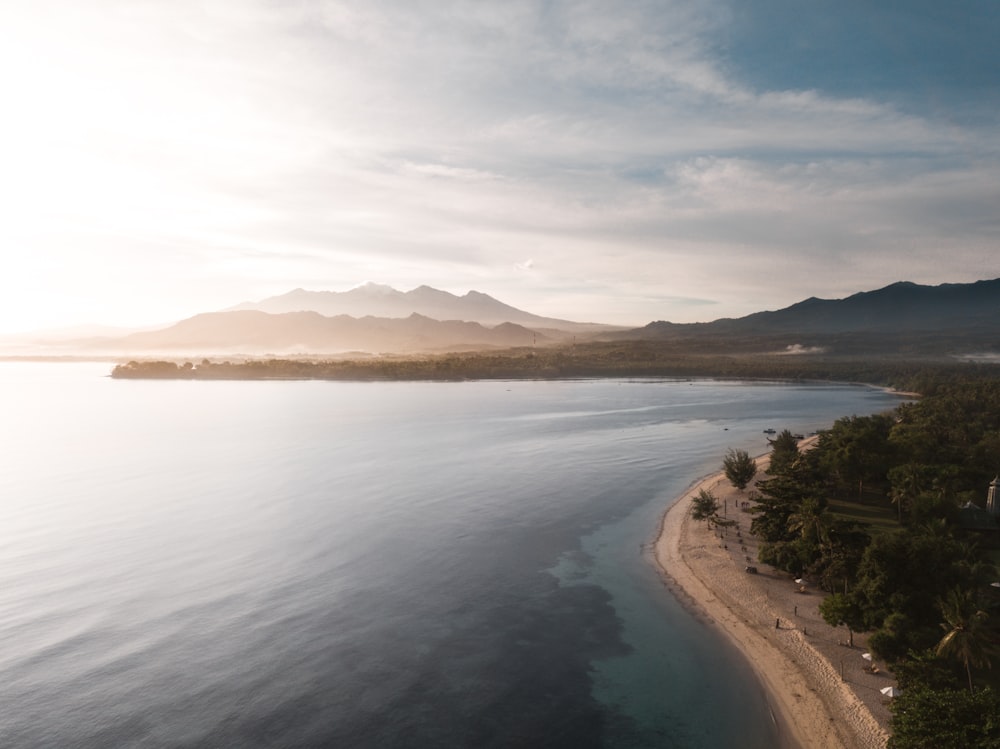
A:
[822, 694]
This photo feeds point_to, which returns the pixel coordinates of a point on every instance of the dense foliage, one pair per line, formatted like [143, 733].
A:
[623, 359]
[919, 580]
[925, 718]
[784, 452]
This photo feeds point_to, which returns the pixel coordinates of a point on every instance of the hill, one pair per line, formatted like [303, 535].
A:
[903, 317]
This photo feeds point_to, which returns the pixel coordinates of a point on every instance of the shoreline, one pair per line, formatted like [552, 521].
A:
[818, 691]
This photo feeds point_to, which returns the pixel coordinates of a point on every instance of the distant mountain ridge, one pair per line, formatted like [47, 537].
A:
[902, 318]
[377, 300]
[968, 312]
[899, 306]
[252, 331]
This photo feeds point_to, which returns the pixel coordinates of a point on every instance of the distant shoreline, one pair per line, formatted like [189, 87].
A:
[903, 377]
[629, 359]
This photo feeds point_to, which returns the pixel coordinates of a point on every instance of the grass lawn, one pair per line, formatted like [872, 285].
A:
[874, 511]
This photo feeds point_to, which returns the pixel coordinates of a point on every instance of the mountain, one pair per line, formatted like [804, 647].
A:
[370, 318]
[289, 333]
[376, 300]
[902, 306]
[900, 316]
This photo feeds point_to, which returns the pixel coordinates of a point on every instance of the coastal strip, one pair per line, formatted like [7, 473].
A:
[817, 685]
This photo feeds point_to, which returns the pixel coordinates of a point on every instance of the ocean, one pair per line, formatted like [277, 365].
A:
[330, 564]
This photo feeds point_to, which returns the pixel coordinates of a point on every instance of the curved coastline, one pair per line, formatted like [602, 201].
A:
[821, 696]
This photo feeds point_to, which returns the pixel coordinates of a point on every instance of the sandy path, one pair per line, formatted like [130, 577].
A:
[800, 662]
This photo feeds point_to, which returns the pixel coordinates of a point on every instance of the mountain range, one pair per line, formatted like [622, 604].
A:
[902, 306]
[377, 300]
[368, 319]
[903, 318]
[307, 332]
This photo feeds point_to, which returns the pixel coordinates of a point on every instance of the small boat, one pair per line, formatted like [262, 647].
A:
[770, 431]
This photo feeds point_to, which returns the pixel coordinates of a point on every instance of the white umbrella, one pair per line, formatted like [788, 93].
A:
[890, 691]
[801, 580]
[866, 656]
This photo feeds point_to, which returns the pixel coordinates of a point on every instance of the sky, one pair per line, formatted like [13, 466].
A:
[617, 162]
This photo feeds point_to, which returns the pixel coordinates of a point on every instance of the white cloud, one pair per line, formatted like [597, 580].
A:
[797, 349]
[245, 146]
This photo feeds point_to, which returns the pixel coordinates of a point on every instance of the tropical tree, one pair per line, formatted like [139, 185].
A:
[840, 608]
[926, 718]
[857, 449]
[784, 451]
[812, 522]
[704, 505]
[840, 551]
[907, 482]
[901, 579]
[966, 638]
[739, 467]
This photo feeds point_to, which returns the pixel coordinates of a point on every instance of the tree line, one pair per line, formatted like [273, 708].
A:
[622, 359]
[921, 580]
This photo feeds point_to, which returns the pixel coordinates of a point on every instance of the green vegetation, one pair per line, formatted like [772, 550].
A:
[624, 359]
[784, 452]
[704, 506]
[871, 512]
[885, 513]
[968, 638]
[739, 468]
[926, 718]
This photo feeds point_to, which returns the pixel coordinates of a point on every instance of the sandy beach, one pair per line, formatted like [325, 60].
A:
[818, 686]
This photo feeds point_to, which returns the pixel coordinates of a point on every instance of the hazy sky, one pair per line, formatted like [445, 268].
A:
[612, 161]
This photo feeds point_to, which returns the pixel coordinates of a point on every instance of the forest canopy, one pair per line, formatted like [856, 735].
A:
[920, 579]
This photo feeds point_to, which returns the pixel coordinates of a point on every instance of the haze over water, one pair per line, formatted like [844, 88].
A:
[311, 564]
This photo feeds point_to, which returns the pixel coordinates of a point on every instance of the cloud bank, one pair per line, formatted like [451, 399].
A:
[653, 160]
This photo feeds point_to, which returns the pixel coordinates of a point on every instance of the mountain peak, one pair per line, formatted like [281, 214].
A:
[378, 300]
[430, 293]
[375, 288]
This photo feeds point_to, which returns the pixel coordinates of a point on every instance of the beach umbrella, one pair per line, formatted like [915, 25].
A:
[866, 656]
[891, 692]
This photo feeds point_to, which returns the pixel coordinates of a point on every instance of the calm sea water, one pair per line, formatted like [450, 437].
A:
[317, 564]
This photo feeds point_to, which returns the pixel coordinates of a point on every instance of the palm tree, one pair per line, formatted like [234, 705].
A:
[907, 482]
[966, 637]
[977, 570]
[812, 522]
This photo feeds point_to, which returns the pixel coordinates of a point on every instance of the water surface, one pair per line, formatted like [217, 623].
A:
[313, 564]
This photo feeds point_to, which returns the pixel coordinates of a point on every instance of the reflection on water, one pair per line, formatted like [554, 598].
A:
[349, 564]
